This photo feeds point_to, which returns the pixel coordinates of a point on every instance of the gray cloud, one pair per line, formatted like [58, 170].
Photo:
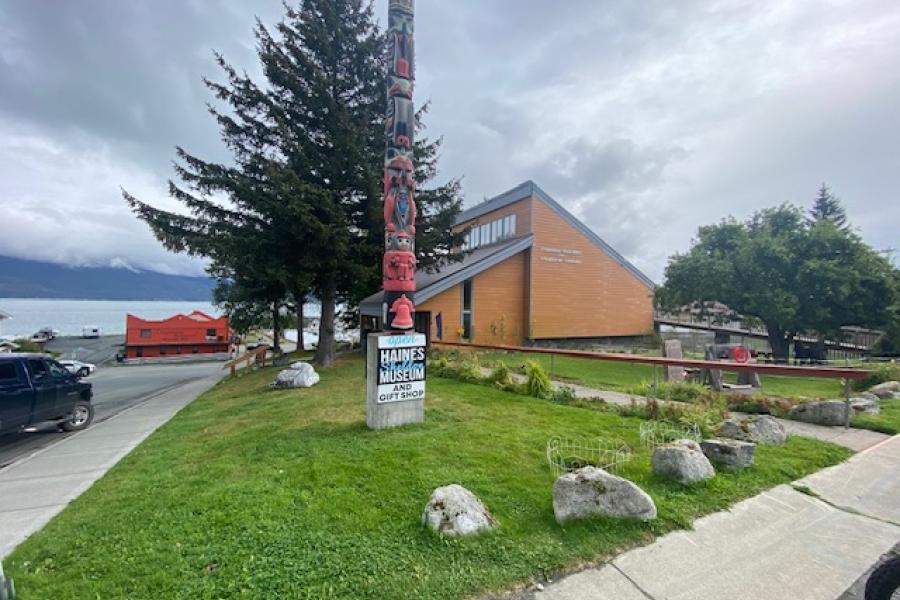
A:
[646, 119]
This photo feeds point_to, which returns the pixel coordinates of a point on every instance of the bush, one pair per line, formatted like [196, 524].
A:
[879, 374]
[537, 381]
[705, 416]
[762, 405]
[677, 391]
[564, 395]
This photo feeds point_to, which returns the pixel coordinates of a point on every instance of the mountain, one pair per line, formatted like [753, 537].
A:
[21, 278]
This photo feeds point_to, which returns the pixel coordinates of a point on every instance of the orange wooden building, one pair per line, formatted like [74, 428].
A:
[196, 333]
[533, 273]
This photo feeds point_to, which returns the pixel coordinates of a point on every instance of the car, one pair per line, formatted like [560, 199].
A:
[39, 338]
[76, 367]
[35, 389]
[90, 332]
[48, 332]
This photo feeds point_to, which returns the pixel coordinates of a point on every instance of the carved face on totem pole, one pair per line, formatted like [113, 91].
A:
[399, 263]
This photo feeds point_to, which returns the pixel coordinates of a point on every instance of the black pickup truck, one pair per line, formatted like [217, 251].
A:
[35, 389]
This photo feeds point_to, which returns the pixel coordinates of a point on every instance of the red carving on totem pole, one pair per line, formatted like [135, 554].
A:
[403, 311]
[399, 263]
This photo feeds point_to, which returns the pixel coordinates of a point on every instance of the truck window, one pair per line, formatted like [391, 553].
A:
[37, 367]
[8, 373]
[57, 370]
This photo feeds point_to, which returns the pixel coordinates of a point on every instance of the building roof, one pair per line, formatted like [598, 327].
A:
[531, 189]
[454, 273]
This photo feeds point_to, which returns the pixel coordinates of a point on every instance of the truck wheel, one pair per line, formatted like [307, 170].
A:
[82, 415]
[84, 372]
[884, 581]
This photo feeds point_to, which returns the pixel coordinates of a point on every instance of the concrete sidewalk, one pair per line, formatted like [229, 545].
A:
[779, 544]
[36, 488]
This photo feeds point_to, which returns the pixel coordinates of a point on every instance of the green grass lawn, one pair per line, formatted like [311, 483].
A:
[887, 421]
[253, 493]
[621, 376]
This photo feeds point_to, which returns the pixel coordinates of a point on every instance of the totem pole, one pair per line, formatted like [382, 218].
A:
[395, 358]
[399, 264]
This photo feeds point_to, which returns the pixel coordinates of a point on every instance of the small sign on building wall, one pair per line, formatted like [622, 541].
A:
[401, 368]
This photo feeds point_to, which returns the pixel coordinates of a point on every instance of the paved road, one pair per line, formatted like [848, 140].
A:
[115, 389]
[98, 351]
[41, 484]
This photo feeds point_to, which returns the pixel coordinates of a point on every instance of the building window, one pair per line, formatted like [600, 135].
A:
[210, 333]
[489, 233]
[145, 333]
[467, 309]
[162, 350]
[139, 353]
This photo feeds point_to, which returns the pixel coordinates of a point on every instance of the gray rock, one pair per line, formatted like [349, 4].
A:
[870, 396]
[885, 390]
[759, 429]
[732, 454]
[591, 491]
[298, 375]
[683, 461]
[865, 405]
[454, 510]
[821, 412]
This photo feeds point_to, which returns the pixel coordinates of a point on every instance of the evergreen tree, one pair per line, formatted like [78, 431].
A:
[304, 189]
[828, 207]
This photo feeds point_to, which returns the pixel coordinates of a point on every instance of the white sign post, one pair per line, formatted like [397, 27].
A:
[395, 379]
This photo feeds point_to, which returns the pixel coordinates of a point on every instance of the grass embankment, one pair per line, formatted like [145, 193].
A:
[256, 493]
[887, 421]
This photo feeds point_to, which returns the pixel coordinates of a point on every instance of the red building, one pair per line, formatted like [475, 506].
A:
[196, 333]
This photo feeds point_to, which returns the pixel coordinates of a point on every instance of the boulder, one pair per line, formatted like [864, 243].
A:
[454, 510]
[683, 461]
[866, 405]
[298, 375]
[820, 412]
[759, 429]
[885, 390]
[590, 491]
[732, 454]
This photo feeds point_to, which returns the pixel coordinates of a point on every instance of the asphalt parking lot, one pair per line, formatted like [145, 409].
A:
[116, 388]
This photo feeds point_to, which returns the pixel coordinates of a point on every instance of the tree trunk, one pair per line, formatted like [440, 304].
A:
[325, 350]
[276, 329]
[300, 344]
[780, 343]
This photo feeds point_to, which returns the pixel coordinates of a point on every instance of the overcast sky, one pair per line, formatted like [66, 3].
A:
[645, 119]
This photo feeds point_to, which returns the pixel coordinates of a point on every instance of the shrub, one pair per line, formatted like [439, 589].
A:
[761, 404]
[879, 374]
[564, 395]
[537, 382]
[677, 391]
[500, 375]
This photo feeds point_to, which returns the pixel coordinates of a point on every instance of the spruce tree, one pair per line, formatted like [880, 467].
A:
[827, 207]
[304, 186]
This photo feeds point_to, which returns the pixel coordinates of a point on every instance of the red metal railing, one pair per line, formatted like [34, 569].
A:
[762, 369]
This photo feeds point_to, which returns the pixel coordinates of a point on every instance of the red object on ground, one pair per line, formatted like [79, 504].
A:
[196, 333]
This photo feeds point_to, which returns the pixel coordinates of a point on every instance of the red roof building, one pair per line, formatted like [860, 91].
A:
[196, 333]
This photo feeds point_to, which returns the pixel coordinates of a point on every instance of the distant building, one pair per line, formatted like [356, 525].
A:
[533, 274]
[196, 333]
